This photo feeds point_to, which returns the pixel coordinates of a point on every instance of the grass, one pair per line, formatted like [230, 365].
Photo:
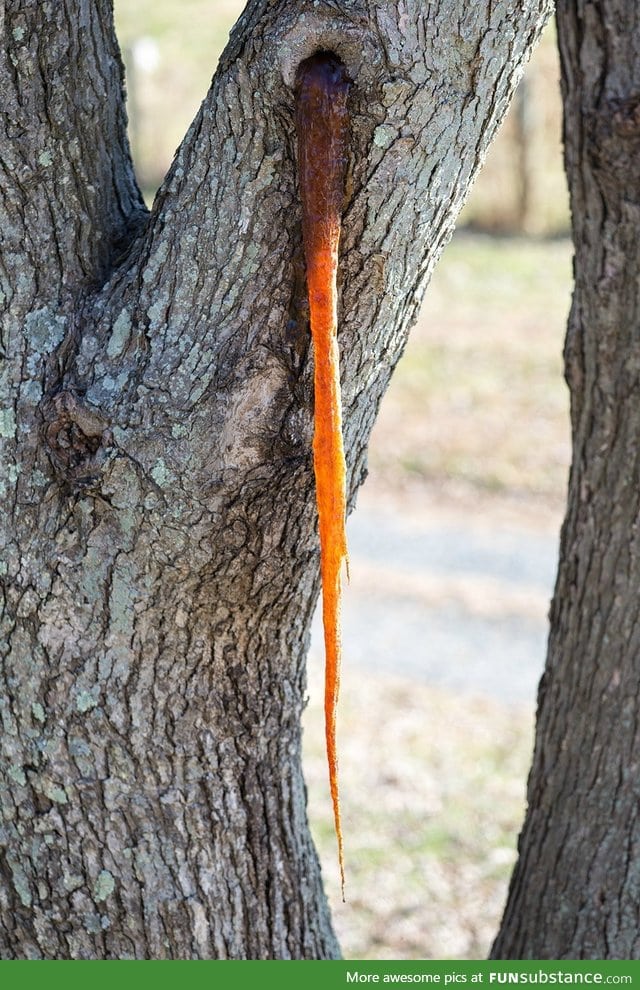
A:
[479, 394]
[433, 797]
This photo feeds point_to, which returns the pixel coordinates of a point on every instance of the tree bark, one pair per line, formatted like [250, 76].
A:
[574, 893]
[159, 559]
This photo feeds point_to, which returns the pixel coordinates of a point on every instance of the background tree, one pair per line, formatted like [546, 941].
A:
[159, 562]
[574, 893]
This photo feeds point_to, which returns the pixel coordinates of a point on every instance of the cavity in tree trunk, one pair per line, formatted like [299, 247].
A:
[575, 893]
[159, 560]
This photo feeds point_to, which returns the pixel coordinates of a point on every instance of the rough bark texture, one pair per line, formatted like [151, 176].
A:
[159, 558]
[576, 889]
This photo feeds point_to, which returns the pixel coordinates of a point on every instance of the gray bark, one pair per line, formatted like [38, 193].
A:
[575, 892]
[159, 560]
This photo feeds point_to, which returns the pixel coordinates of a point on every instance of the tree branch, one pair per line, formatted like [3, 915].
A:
[207, 325]
[68, 197]
[68, 194]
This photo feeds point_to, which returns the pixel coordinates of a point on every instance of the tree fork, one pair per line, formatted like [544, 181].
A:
[159, 564]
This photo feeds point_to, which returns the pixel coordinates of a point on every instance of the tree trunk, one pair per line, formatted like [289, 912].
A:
[575, 893]
[159, 559]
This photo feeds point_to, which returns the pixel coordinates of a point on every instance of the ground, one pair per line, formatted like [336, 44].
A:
[453, 551]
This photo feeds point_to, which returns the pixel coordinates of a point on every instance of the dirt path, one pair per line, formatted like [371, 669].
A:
[450, 592]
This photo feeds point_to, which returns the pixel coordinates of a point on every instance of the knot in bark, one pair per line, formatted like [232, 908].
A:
[77, 437]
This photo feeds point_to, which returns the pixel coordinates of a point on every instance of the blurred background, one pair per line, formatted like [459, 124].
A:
[453, 544]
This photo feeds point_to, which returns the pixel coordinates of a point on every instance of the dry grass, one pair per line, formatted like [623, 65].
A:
[479, 396]
[433, 797]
